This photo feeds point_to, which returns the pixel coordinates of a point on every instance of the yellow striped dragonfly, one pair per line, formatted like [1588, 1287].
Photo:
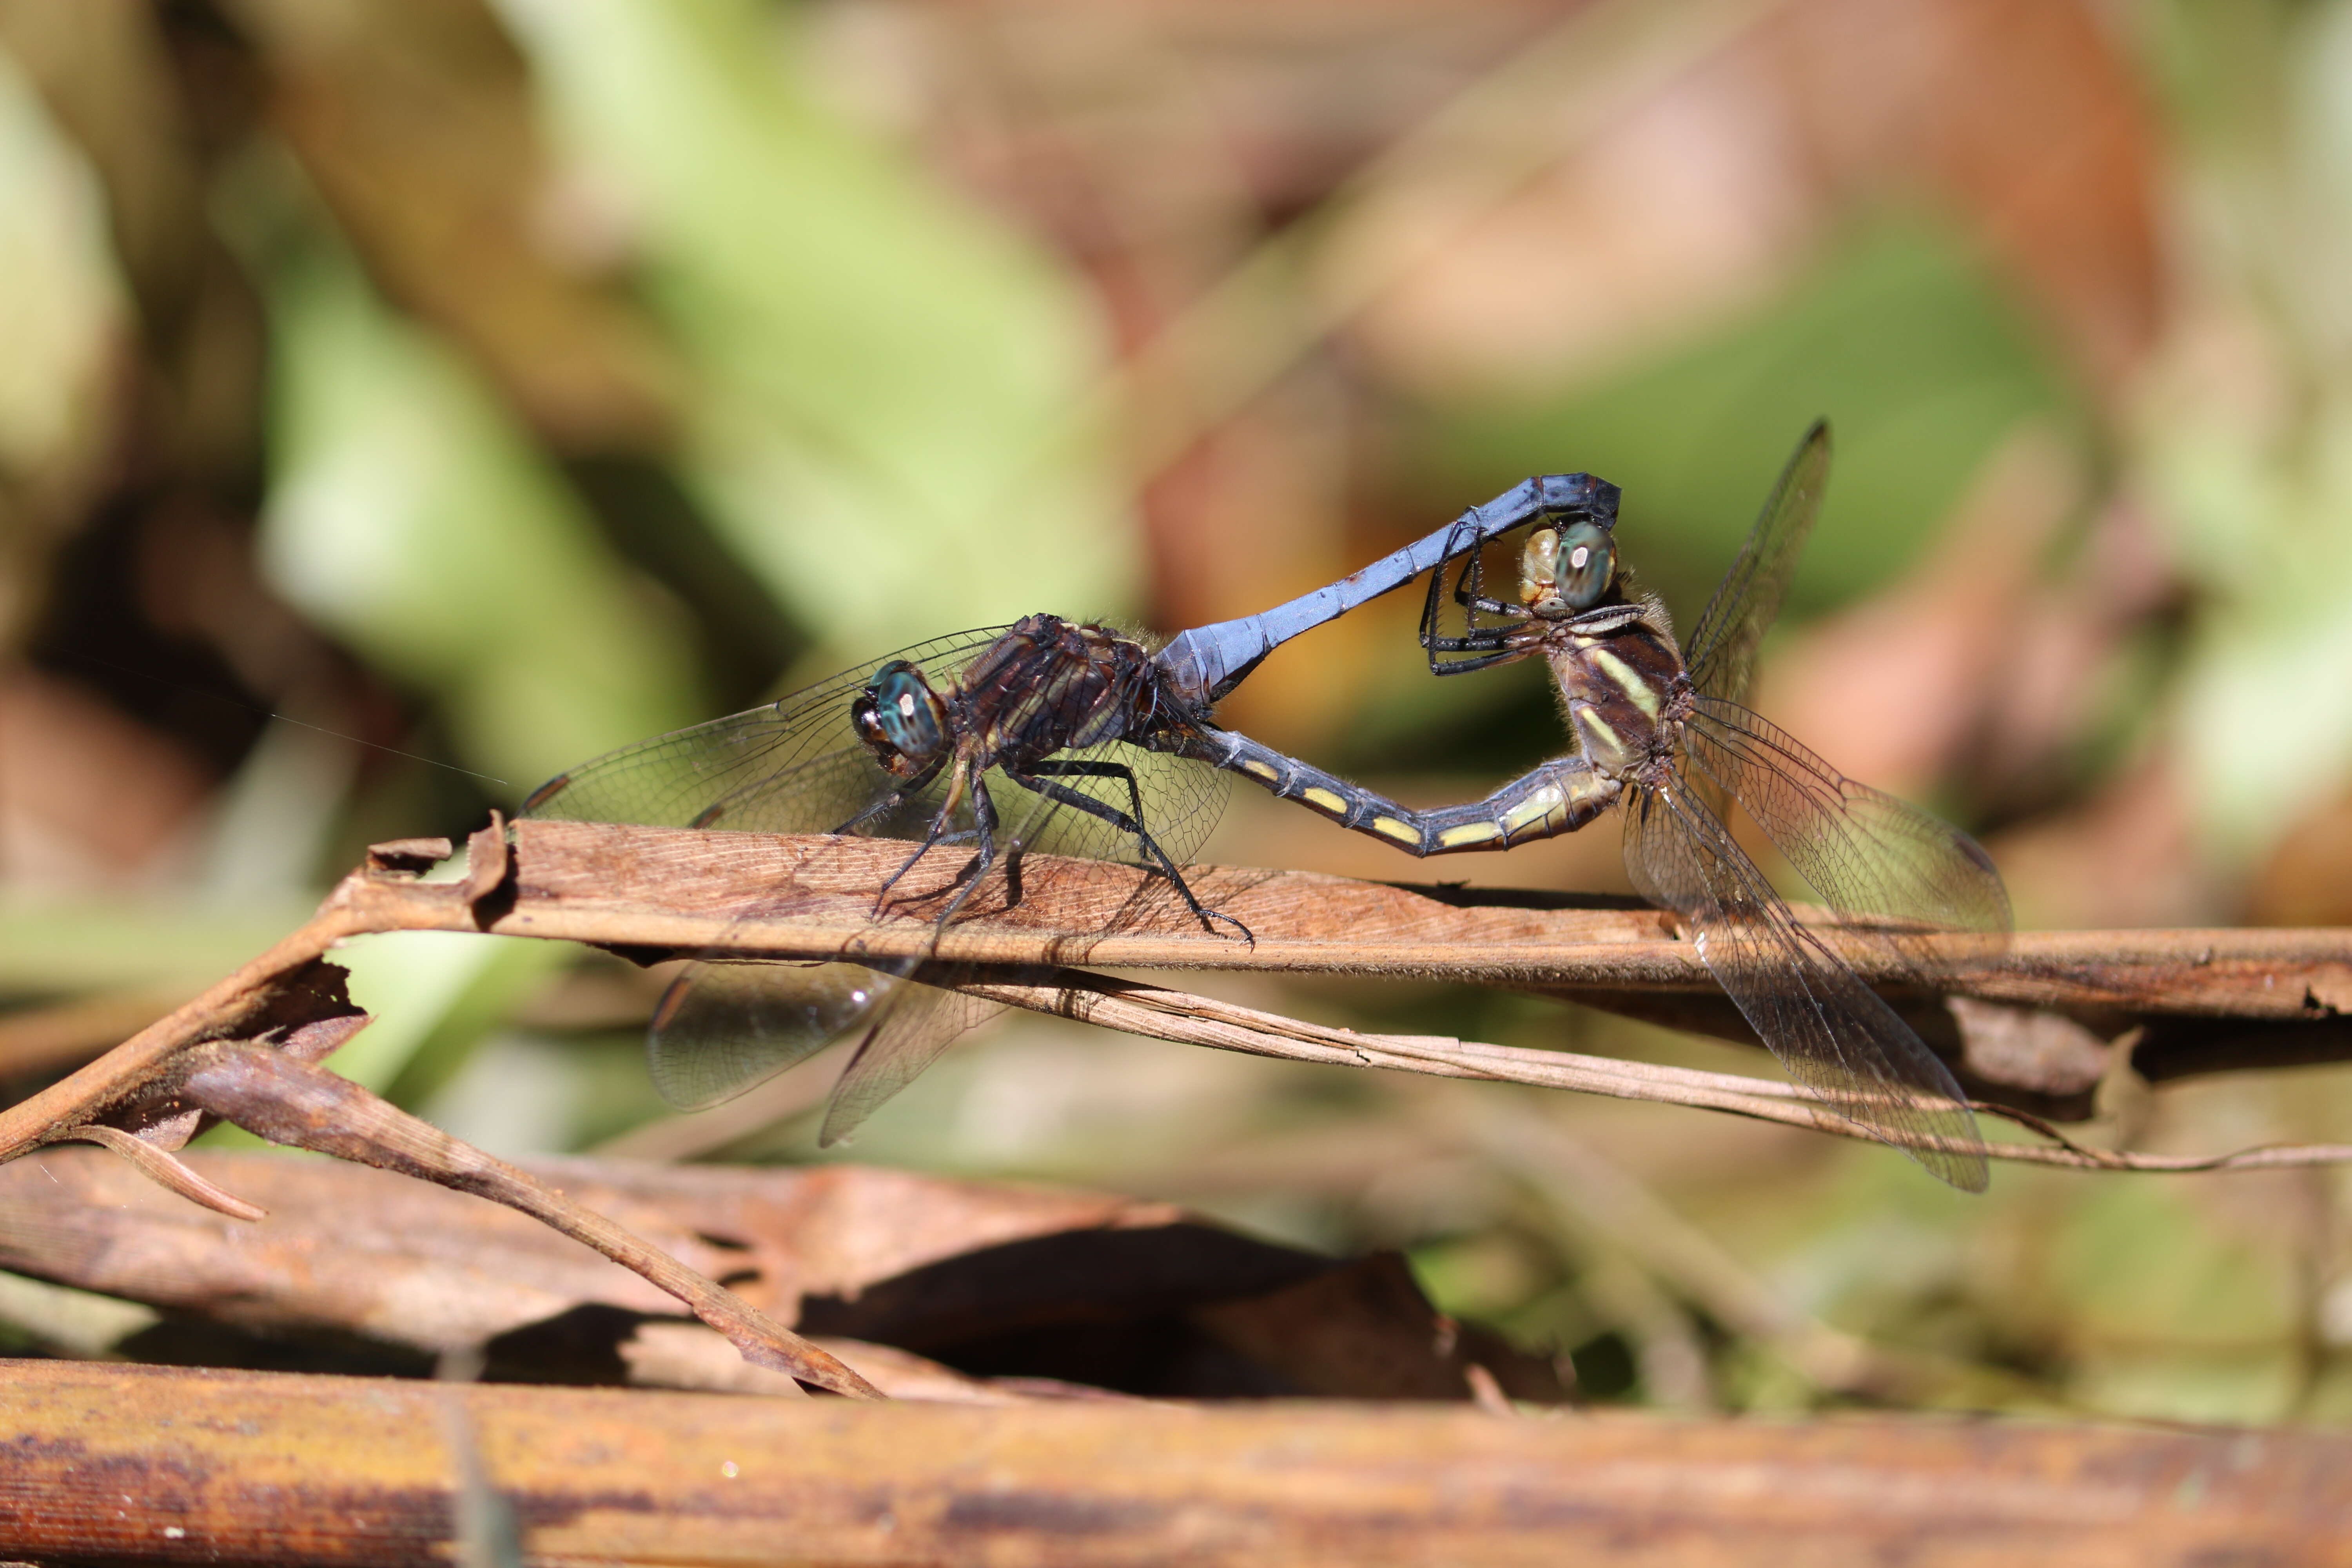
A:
[1660, 732]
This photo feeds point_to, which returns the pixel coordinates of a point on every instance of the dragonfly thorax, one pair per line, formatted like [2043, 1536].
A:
[1049, 685]
[1626, 691]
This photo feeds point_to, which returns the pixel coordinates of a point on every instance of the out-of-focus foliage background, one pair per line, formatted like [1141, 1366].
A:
[476, 384]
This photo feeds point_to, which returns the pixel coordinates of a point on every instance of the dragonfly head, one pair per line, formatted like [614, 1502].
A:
[1568, 569]
[901, 720]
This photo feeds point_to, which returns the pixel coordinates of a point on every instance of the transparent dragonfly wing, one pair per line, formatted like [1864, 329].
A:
[1829, 1030]
[900, 1043]
[1180, 800]
[796, 766]
[1867, 854]
[722, 1028]
[1720, 651]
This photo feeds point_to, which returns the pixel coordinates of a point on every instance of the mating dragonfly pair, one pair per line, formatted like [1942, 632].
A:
[1075, 738]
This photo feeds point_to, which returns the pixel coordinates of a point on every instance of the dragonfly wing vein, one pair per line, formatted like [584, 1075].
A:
[722, 1028]
[1865, 852]
[1721, 651]
[900, 1044]
[799, 765]
[1831, 1032]
[738, 767]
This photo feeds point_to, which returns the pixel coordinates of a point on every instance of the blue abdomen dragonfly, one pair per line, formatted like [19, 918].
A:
[1048, 735]
[1075, 739]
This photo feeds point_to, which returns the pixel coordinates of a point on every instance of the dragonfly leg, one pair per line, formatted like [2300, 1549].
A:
[1041, 778]
[1479, 639]
[981, 816]
[1463, 666]
[889, 802]
[1469, 591]
[1493, 642]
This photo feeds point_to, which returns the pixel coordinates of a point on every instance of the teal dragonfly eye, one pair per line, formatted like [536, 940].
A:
[901, 720]
[1567, 571]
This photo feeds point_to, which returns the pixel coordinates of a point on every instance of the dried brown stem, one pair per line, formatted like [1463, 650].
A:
[110, 1460]
[1188, 1019]
[160, 1166]
[655, 892]
[208, 1057]
[811, 897]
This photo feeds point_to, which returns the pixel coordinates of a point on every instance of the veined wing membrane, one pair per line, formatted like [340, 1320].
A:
[750, 771]
[1830, 1031]
[798, 766]
[724, 1027]
[924, 1020]
[1863, 850]
[1720, 653]
[1178, 803]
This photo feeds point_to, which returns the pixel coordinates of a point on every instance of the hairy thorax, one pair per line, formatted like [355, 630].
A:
[1626, 691]
[1051, 684]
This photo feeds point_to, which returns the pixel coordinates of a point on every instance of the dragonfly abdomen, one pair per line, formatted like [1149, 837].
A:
[1559, 798]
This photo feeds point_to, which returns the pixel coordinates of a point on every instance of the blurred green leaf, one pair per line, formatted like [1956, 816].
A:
[56, 1320]
[2262, 741]
[411, 514]
[2244, 434]
[434, 996]
[60, 293]
[1482, 1275]
[62, 317]
[2137, 1259]
[2252, 1388]
[431, 998]
[60, 946]
[885, 376]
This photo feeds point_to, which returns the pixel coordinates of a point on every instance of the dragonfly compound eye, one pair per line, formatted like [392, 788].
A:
[900, 719]
[1565, 571]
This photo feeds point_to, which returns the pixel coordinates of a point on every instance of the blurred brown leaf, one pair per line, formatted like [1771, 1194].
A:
[2309, 880]
[87, 795]
[2029, 115]
[416, 120]
[1709, 187]
[2125, 855]
[1019, 1281]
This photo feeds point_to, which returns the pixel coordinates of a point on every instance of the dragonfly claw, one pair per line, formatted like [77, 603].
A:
[1209, 918]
